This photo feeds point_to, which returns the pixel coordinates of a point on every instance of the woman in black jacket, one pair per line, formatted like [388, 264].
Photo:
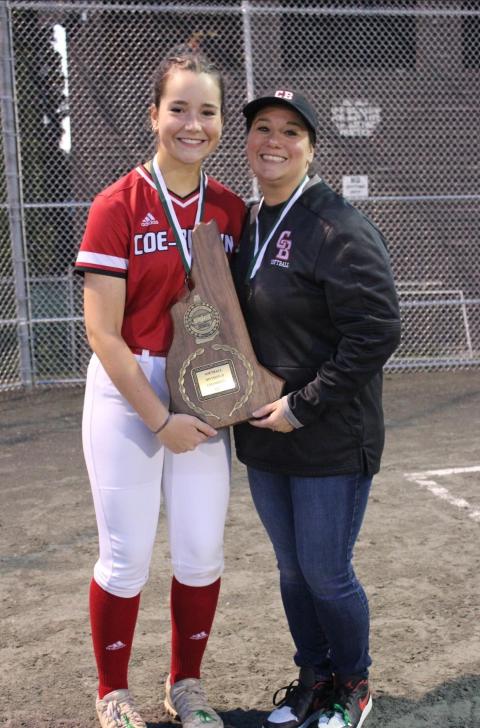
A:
[317, 292]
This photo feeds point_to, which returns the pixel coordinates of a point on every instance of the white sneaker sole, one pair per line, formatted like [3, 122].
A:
[326, 722]
[312, 718]
[366, 712]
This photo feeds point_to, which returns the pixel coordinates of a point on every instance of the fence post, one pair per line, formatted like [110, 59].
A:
[14, 191]
[247, 44]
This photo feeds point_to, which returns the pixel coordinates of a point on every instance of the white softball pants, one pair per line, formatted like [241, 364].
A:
[129, 470]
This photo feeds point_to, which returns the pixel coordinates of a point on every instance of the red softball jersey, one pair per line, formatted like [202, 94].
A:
[128, 235]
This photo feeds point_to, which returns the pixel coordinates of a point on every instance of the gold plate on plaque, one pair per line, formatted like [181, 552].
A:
[215, 380]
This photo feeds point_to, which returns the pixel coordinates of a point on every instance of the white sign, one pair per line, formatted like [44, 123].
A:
[356, 118]
[355, 187]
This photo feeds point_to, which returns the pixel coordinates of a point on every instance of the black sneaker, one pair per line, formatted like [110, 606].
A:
[303, 702]
[353, 703]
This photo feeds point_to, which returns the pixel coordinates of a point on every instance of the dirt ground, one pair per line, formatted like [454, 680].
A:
[418, 557]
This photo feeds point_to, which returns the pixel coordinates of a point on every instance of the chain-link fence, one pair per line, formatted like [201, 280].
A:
[396, 84]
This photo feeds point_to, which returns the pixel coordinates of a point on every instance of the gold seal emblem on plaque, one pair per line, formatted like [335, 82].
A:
[202, 320]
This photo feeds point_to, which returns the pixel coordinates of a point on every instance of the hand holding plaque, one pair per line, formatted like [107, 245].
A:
[212, 370]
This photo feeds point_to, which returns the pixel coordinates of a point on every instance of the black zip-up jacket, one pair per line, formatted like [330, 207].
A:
[324, 316]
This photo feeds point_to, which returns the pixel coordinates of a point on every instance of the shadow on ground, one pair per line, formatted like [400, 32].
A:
[453, 704]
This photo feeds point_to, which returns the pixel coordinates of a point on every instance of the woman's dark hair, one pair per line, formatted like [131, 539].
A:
[186, 59]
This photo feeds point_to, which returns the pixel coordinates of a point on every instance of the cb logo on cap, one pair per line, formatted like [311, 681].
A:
[283, 94]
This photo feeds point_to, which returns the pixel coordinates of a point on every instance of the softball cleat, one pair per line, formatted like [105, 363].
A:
[186, 701]
[117, 710]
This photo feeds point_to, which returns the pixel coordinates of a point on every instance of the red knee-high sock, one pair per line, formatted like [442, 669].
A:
[113, 622]
[192, 609]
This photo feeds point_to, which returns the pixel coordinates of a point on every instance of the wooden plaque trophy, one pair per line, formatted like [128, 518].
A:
[212, 370]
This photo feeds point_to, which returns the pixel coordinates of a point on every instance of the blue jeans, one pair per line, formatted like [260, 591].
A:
[313, 524]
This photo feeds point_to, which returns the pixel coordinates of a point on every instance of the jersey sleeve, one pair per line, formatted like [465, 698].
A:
[105, 245]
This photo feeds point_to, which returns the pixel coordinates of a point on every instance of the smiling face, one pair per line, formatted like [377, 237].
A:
[188, 119]
[279, 151]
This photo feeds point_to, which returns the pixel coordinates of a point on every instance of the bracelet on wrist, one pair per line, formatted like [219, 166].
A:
[164, 424]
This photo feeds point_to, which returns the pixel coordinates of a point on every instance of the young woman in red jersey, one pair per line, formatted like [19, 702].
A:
[135, 257]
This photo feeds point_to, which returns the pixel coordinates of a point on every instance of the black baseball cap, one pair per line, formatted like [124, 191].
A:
[283, 97]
